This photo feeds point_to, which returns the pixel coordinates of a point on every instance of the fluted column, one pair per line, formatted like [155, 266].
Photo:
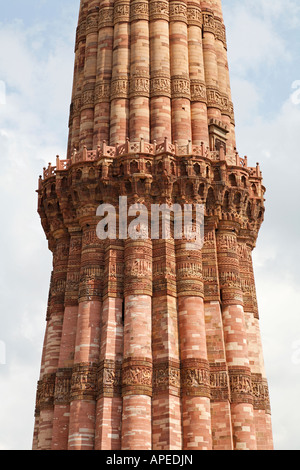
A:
[180, 81]
[36, 443]
[75, 109]
[197, 75]
[119, 115]
[137, 367]
[166, 406]
[77, 100]
[90, 69]
[261, 402]
[67, 346]
[220, 393]
[214, 104]
[151, 344]
[37, 411]
[224, 87]
[55, 316]
[109, 403]
[160, 81]
[139, 115]
[87, 347]
[223, 74]
[104, 72]
[195, 374]
[235, 335]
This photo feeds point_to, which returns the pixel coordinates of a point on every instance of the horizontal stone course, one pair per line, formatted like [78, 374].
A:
[150, 345]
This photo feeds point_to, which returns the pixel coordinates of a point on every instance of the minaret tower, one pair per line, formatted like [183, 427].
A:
[150, 345]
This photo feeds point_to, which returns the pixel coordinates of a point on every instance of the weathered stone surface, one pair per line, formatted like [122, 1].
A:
[148, 344]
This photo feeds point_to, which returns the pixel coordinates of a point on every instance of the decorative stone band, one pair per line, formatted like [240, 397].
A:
[195, 378]
[38, 399]
[208, 22]
[75, 242]
[166, 378]
[178, 11]
[139, 86]
[63, 386]
[227, 107]
[219, 383]
[190, 287]
[230, 279]
[159, 10]
[164, 278]
[84, 382]
[194, 15]
[75, 108]
[90, 283]
[247, 277]
[214, 98]
[211, 291]
[80, 32]
[260, 393]
[139, 10]
[160, 85]
[92, 23]
[55, 308]
[102, 92]
[58, 287]
[231, 294]
[227, 242]
[209, 263]
[138, 268]
[214, 25]
[229, 271]
[248, 293]
[198, 91]
[137, 377]
[180, 87]
[220, 31]
[119, 88]
[189, 272]
[106, 17]
[90, 239]
[210, 278]
[121, 11]
[45, 393]
[48, 314]
[113, 272]
[109, 379]
[240, 385]
[88, 99]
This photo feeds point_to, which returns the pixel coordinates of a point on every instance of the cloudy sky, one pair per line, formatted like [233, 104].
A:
[36, 68]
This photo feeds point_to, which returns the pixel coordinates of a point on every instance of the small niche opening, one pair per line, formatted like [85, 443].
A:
[123, 311]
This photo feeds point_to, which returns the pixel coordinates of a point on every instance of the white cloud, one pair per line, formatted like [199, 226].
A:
[247, 99]
[278, 301]
[254, 41]
[261, 59]
[37, 72]
[282, 10]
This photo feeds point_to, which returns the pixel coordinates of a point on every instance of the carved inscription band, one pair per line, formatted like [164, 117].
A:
[195, 378]
[153, 10]
[154, 86]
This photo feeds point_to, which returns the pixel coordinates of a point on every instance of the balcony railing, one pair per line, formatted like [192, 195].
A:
[151, 149]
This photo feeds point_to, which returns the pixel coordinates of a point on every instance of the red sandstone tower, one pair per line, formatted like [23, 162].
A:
[149, 345]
